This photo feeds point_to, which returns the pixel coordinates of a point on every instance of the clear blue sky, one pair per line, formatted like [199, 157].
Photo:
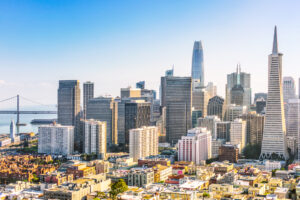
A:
[117, 43]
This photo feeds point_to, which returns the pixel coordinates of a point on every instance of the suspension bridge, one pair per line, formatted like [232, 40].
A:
[19, 112]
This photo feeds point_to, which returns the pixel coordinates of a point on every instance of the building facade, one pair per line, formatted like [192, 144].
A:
[88, 93]
[176, 96]
[143, 142]
[215, 106]
[197, 63]
[105, 109]
[137, 114]
[196, 146]
[94, 137]
[56, 139]
[274, 137]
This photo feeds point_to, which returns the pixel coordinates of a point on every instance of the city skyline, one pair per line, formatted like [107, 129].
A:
[85, 55]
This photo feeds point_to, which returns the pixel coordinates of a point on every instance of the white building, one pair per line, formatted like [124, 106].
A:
[293, 120]
[274, 136]
[12, 131]
[56, 139]
[209, 122]
[196, 146]
[143, 142]
[238, 133]
[270, 165]
[94, 137]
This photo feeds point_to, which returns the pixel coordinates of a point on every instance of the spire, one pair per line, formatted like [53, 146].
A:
[275, 43]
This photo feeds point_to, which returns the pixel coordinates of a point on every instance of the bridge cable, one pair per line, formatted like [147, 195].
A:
[8, 99]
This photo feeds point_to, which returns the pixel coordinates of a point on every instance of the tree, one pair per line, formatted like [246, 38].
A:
[206, 195]
[118, 187]
[252, 151]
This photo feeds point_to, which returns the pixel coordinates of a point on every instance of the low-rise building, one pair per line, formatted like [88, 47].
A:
[79, 189]
[140, 177]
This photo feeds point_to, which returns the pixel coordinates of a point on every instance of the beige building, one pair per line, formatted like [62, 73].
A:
[79, 189]
[140, 177]
[143, 142]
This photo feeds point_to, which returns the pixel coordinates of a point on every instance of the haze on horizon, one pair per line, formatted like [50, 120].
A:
[115, 44]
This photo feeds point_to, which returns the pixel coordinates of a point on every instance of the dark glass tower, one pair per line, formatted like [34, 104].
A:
[197, 63]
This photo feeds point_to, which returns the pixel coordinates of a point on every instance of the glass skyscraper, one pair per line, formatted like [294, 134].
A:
[197, 63]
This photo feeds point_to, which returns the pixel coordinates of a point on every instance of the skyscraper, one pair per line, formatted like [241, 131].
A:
[68, 107]
[289, 90]
[274, 137]
[200, 100]
[68, 102]
[197, 63]
[94, 137]
[88, 93]
[238, 88]
[293, 120]
[105, 109]
[137, 114]
[176, 93]
[215, 106]
[143, 142]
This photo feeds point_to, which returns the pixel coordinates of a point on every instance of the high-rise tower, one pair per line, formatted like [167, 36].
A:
[88, 93]
[197, 63]
[274, 137]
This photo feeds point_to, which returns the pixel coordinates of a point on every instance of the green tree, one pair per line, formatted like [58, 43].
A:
[118, 187]
[252, 151]
[206, 195]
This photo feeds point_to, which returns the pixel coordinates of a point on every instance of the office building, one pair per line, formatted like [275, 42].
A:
[261, 106]
[274, 137]
[177, 98]
[105, 109]
[238, 133]
[209, 122]
[238, 88]
[233, 111]
[228, 152]
[215, 106]
[197, 63]
[88, 93]
[211, 89]
[260, 95]
[293, 122]
[215, 146]
[196, 114]
[254, 124]
[56, 139]
[68, 106]
[255, 127]
[223, 130]
[196, 146]
[200, 100]
[68, 102]
[94, 137]
[140, 85]
[289, 92]
[130, 92]
[137, 114]
[143, 142]
[289, 89]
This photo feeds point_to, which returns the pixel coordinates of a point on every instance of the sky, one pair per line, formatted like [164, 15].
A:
[117, 43]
